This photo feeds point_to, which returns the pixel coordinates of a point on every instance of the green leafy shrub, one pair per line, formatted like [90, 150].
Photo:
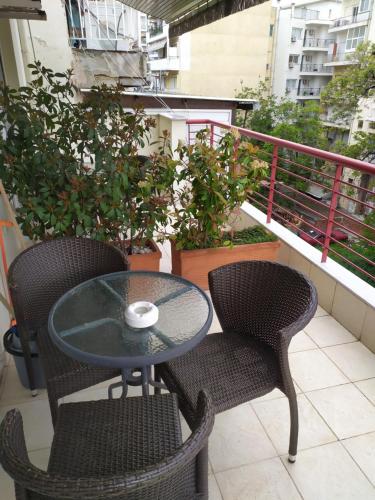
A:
[73, 165]
[210, 183]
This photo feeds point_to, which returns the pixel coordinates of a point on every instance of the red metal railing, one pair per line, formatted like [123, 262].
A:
[342, 206]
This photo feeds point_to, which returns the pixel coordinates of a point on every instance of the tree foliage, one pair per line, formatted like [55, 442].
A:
[357, 81]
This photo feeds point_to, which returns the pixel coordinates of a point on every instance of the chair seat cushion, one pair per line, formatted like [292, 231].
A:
[109, 437]
[232, 367]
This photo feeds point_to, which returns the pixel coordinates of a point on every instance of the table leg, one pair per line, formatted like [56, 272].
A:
[145, 380]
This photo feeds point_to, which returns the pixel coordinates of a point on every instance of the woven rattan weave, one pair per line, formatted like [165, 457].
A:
[37, 278]
[121, 448]
[260, 305]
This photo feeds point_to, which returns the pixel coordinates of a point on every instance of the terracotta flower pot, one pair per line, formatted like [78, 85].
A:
[143, 261]
[195, 265]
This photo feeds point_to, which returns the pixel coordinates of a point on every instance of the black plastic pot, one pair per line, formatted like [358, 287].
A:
[12, 344]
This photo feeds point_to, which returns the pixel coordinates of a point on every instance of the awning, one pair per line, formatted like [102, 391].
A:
[184, 15]
[159, 44]
[22, 9]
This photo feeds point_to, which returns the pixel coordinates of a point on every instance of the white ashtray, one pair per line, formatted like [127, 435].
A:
[141, 314]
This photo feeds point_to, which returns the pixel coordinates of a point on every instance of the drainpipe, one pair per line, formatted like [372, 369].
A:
[21, 75]
[274, 45]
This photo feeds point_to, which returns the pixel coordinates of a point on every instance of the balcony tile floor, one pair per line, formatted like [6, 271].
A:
[335, 382]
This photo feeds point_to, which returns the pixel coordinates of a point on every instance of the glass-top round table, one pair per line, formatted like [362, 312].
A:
[88, 323]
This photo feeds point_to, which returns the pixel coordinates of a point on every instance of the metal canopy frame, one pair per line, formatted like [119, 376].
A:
[183, 16]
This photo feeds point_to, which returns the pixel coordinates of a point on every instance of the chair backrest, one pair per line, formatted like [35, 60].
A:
[259, 296]
[42, 273]
[165, 479]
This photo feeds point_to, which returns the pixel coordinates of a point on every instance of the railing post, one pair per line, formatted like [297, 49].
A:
[212, 129]
[331, 213]
[275, 157]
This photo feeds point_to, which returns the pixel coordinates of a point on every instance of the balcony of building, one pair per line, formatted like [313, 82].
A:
[99, 25]
[332, 360]
[355, 20]
[315, 69]
[317, 44]
[312, 17]
[342, 53]
[309, 93]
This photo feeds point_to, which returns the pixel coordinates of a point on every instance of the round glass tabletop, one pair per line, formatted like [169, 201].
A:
[88, 323]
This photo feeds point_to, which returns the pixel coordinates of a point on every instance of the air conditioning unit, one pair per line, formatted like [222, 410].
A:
[293, 38]
[291, 65]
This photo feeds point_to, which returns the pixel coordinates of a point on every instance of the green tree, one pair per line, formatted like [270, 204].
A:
[343, 93]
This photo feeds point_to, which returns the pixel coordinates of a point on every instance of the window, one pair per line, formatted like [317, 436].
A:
[364, 6]
[309, 59]
[360, 123]
[290, 85]
[296, 34]
[371, 125]
[267, 66]
[271, 30]
[355, 37]
[293, 59]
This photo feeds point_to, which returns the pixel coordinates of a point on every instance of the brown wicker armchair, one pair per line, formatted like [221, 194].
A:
[121, 448]
[260, 306]
[37, 278]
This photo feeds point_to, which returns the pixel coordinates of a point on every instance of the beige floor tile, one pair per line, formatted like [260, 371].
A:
[6, 486]
[368, 388]
[275, 394]
[329, 473]
[275, 417]
[238, 439]
[13, 391]
[314, 370]
[301, 342]
[37, 423]
[345, 409]
[362, 449]
[354, 360]
[213, 488]
[215, 325]
[320, 312]
[326, 331]
[267, 480]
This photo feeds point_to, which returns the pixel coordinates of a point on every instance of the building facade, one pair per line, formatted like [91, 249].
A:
[301, 47]
[213, 60]
[102, 40]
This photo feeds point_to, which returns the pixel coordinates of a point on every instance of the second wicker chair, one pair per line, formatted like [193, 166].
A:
[121, 448]
[37, 278]
[260, 306]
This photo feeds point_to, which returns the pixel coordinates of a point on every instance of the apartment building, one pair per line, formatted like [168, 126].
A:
[102, 40]
[302, 43]
[213, 60]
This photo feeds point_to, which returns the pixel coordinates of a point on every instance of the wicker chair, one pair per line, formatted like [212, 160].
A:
[37, 278]
[260, 306]
[121, 448]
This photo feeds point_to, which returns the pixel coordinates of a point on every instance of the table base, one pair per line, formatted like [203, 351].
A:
[128, 378]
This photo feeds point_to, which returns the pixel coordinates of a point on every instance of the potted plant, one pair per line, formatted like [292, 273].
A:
[211, 183]
[73, 165]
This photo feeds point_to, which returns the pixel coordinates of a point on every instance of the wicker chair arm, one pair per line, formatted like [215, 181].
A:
[13, 457]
